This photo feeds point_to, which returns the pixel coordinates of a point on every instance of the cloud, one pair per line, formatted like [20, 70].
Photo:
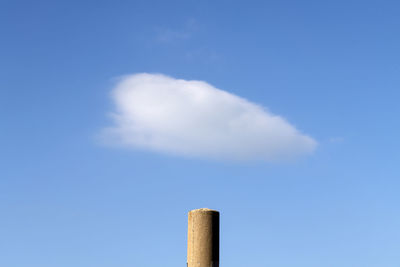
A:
[336, 140]
[169, 35]
[195, 119]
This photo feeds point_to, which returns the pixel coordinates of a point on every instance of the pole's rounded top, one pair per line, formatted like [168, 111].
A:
[204, 210]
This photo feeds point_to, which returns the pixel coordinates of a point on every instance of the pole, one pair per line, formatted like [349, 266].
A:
[203, 238]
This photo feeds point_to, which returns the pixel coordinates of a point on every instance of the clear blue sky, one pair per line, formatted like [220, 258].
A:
[332, 68]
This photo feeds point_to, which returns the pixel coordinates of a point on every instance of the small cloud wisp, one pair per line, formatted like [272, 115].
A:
[195, 119]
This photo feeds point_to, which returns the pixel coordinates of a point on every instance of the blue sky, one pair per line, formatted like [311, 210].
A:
[332, 69]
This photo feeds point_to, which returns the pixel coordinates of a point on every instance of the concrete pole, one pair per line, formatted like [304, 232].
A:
[203, 238]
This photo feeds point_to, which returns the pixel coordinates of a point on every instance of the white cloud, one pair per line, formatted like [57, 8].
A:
[195, 119]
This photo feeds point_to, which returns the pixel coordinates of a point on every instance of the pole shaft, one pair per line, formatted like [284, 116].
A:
[203, 238]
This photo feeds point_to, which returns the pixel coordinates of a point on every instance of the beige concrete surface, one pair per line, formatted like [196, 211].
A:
[203, 238]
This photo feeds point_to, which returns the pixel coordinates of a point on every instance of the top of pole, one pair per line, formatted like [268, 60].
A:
[204, 210]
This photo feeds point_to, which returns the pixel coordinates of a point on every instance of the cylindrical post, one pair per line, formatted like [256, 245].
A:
[203, 238]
